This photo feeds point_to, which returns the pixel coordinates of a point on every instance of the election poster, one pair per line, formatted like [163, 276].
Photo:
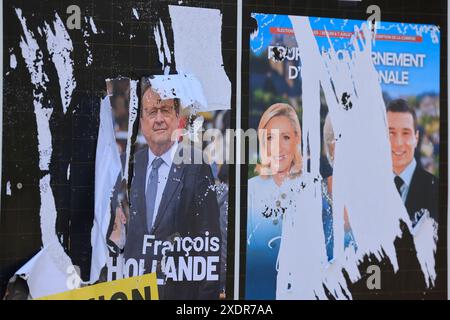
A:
[343, 196]
[111, 185]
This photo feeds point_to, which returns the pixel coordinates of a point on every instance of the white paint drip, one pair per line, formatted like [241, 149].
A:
[135, 13]
[158, 44]
[60, 47]
[302, 256]
[56, 259]
[44, 134]
[425, 239]
[254, 34]
[86, 36]
[163, 47]
[93, 26]
[166, 48]
[90, 58]
[68, 172]
[33, 59]
[8, 188]
[107, 169]
[12, 61]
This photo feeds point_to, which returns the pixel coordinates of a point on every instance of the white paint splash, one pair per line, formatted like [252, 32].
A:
[44, 134]
[254, 34]
[198, 50]
[135, 13]
[33, 59]
[158, 44]
[166, 47]
[48, 272]
[302, 257]
[375, 224]
[12, 61]
[8, 188]
[60, 47]
[86, 36]
[68, 172]
[132, 116]
[185, 87]
[264, 20]
[93, 26]
[425, 239]
[163, 47]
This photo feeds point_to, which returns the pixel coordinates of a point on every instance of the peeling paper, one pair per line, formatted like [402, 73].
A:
[60, 47]
[197, 43]
[107, 169]
[47, 274]
[42, 274]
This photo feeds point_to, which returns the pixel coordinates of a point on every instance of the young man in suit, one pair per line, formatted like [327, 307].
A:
[169, 200]
[418, 188]
[419, 191]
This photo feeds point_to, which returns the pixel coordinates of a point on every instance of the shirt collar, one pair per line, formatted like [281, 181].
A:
[408, 172]
[167, 157]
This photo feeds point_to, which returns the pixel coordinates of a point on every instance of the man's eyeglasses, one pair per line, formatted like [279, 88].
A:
[165, 111]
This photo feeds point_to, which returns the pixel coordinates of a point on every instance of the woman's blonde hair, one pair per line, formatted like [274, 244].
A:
[276, 110]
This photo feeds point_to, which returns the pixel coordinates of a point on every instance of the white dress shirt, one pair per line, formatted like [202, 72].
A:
[163, 173]
[406, 176]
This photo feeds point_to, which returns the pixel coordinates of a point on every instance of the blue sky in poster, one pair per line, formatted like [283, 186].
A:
[424, 79]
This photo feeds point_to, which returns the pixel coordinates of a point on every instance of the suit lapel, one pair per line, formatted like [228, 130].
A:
[174, 181]
[139, 191]
[414, 192]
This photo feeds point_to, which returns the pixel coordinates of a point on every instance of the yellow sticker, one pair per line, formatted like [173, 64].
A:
[135, 288]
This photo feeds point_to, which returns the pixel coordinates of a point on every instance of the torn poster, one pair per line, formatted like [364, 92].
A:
[167, 220]
[200, 53]
[70, 178]
[364, 127]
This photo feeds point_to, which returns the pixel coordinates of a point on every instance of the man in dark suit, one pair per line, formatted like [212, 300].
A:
[419, 191]
[418, 188]
[169, 200]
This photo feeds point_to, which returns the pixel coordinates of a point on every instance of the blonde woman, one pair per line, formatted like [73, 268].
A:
[273, 199]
